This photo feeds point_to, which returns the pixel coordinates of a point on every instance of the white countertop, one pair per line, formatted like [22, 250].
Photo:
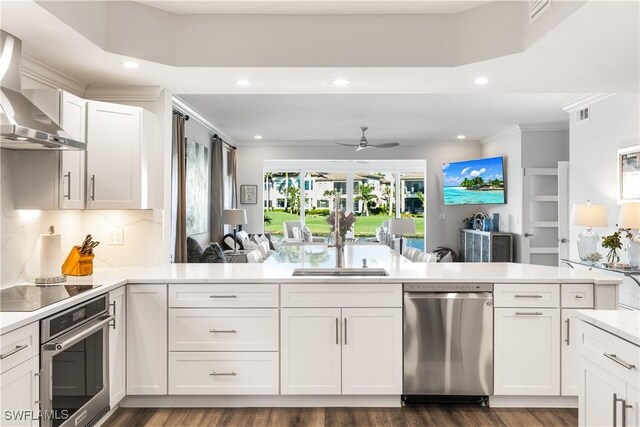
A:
[279, 267]
[622, 323]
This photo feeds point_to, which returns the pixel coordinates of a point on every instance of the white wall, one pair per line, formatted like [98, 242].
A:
[544, 148]
[439, 232]
[614, 123]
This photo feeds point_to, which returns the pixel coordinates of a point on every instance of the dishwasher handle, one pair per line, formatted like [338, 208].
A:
[448, 295]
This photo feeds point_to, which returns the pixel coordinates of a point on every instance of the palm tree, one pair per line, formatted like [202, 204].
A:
[388, 195]
[364, 193]
[420, 196]
[268, 179]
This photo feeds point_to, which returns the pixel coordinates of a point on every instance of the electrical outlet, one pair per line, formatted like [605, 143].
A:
[116, 236]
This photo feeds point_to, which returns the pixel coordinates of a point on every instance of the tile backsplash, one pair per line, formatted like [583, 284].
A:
[20, 231]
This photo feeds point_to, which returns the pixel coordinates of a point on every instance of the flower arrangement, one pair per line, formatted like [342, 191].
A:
[614, 244]
[346, 222]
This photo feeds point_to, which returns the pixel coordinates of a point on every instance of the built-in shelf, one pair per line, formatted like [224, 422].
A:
[544, 199]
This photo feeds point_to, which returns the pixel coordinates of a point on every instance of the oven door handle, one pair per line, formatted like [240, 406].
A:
[78, 335]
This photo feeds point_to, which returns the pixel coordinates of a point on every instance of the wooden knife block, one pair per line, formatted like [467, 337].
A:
[78, 264]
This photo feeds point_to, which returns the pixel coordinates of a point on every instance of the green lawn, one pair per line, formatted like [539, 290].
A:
[365, 225]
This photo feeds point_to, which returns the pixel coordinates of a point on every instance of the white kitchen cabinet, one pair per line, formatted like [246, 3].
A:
[72, 176]
[569, 355]
[355, 351]
[146, 337]
[20, 393]
[118, 139]
[310, 351]
[527, 351]
[372, 351]
[117, 346]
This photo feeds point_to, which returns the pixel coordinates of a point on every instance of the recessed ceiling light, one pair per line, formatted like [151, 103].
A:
[243, 82]
[461, 136]
[341, 82]
[257, 137]
[481, 80]
[130, 64]
[21, 138]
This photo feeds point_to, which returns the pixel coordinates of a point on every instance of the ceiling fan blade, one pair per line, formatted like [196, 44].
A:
[346, 145]
[362, 147]
[386, 145]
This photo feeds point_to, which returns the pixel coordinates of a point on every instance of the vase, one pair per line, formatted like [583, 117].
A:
[588, 243]
[633, 249]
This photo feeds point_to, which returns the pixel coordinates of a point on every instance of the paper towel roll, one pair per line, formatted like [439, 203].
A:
[50, 255]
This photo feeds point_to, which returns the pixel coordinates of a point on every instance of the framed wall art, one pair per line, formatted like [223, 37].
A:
[248, 194]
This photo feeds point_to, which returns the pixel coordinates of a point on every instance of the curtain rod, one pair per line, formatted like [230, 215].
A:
[229, 146]
[180, 113]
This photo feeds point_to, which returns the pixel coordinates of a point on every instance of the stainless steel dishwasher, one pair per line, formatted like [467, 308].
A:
[448, 340]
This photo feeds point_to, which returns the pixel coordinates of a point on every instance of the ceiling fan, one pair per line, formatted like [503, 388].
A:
[363, 144]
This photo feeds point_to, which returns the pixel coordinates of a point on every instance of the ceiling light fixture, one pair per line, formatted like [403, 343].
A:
[132, 65]
[481, 80]
[243, 82]
[461, 136]
[341, 82]
[257, 137]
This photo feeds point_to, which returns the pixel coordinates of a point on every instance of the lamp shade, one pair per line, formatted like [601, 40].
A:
[401, 226]
[629, 216]
[589, 215]
[234, 216]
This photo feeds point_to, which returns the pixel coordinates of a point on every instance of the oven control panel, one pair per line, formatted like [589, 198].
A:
[69, 319]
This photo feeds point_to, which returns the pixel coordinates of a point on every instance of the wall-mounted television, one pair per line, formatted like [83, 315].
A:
[474, 182]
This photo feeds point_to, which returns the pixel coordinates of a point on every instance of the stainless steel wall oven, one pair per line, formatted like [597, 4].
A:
[74, 363]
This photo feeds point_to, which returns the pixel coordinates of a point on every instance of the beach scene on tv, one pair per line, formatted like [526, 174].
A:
[474, 182]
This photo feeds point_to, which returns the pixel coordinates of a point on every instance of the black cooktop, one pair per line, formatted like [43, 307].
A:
[33, 297]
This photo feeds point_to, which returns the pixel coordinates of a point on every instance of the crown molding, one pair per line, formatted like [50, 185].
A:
[124, 93]
[552, 126]
[585, 101]
[187, 109]
[500, 134]
[43, 73]
[315, 143]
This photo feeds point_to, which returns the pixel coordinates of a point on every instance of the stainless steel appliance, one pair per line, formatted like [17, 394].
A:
[448, 340]
[23, 126]
[33, 297]
[74, 364]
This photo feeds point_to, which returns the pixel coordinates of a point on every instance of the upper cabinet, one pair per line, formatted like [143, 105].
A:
[118, 140]
[72, 176]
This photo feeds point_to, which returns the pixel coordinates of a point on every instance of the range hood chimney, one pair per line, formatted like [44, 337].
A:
[23, 126]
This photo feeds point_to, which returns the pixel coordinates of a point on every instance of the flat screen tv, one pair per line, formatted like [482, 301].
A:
[474, 182]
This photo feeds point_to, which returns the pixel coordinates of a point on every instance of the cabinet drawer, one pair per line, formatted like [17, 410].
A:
[223, 373]
[526, 295]
[342, 295]
[18, 346]
[223, 329]
[577, 296]
[223, 296]
[610, 352]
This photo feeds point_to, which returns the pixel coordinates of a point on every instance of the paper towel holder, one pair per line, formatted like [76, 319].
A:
[46, 281]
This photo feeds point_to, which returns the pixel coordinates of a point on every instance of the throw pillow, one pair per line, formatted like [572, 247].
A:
[194, 250]
[213, 254]
[249, 245]
[228, 242]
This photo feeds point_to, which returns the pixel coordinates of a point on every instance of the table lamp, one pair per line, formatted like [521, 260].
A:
[401, 226]
[588, 215]
[234, 217]
[630, 218]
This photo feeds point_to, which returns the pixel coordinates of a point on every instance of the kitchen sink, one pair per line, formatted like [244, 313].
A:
[340, 272]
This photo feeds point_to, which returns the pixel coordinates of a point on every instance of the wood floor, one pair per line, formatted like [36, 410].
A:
[414, 415]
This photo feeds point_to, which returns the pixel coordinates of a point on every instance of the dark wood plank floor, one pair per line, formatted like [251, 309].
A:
[413, 415]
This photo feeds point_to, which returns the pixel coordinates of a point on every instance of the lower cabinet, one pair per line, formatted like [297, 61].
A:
[117, 346]
[527, 351]
[20, 393]
[146, 337]
[341, 351]
[569, 354]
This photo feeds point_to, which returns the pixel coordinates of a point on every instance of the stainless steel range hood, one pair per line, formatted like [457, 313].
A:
[23, 126]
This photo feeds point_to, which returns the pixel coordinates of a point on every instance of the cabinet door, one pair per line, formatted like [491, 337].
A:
[146, 339]
[632, 413]
[310, 351]
[20, 393]
[117, 347]
[570, 356]
[73, 119]
[597, 395]
[527, 351]
[372, 351]
[114, 137]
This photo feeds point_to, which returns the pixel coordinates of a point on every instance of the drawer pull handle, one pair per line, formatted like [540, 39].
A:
[223, 374]
[14, 351]
[613, 357]
[568, 331]
[223, 296]
[525, 313]
[223, 331]
[579, 297]
[528, 296]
